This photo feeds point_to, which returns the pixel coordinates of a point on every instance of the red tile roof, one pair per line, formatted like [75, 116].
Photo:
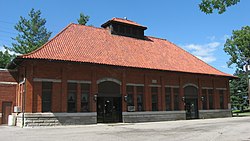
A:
[80, 43]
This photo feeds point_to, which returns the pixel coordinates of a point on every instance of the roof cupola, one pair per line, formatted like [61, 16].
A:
[125, 27]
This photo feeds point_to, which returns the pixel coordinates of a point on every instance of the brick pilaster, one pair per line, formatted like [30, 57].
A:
[181, 89]
[93, 91]
[135, 97]
[163, 101]
[199, 95]
[64, 87]
[78, 98]
[146, 98]
[29, 88]
[124, 93]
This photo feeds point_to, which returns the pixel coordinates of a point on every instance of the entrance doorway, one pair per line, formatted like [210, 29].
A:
[109, 103]
[109, 109]
[6, 111]
[191, 102]
[191, 108]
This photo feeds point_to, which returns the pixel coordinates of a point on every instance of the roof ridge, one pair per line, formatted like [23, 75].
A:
[89, 26]
[124, 20]
[39, 48]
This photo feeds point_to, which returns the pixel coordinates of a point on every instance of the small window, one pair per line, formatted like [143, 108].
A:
[168, 98]
[140, 33]
[221, 93]
[204, 91]
[122, 29]
[46, 96]
[130, 95]
[211, 101]
[139, 90]
[130, 89]
[129, 30]
[134, 32]
[204, 99]
[176, 98]
[154, 93]
[85, 91]
[130, 100]
[125, 30]
[210, 91]
[72, 90]
[154, 90]
[115, 28]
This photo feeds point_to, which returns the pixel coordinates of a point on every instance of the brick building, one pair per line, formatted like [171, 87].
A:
[8, 90]
[88, 75]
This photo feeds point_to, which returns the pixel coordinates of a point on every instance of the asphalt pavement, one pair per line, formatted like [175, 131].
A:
[220, 129]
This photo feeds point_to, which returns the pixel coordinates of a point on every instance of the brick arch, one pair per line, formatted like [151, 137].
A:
[108, 79]
[190, 91]
[190, 84]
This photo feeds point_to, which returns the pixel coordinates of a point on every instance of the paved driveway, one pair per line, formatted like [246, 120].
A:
[227, 129]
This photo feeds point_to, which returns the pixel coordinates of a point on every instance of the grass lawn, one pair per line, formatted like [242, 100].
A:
[238, 113]
[244, 114]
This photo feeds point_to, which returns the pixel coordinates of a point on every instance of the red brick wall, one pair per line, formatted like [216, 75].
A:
[56, 97]
[74, 71]
[37, 99]
[8, 88]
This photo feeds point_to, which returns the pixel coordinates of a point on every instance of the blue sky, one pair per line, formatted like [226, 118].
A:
[179, 21]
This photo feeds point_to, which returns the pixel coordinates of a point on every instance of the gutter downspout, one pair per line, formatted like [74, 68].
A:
[24, 97]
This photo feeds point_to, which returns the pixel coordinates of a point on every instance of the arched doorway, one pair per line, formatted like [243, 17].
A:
[109, 102]
[191, 101]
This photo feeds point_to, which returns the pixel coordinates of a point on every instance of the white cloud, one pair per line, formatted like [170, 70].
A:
[2, 48]
[211, 38]
[203, 51]
[10, 52]
[224, 66]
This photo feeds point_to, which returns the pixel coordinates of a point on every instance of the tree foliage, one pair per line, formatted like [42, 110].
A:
[208, 6]
[238, 47]
[239, 90]
[5, 58]
[32, 33]
[83, 19]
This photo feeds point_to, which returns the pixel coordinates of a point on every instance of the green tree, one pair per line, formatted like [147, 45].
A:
[32, 33]
[238, 47]
[208, 6]
[83, 19]
[239, 90]
[5, 58]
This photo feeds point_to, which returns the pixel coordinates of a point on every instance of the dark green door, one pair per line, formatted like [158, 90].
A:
[109, 102]
[191, 108]
[109, 109]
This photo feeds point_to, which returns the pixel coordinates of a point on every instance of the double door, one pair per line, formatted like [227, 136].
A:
[191, 107]
[109, 109]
